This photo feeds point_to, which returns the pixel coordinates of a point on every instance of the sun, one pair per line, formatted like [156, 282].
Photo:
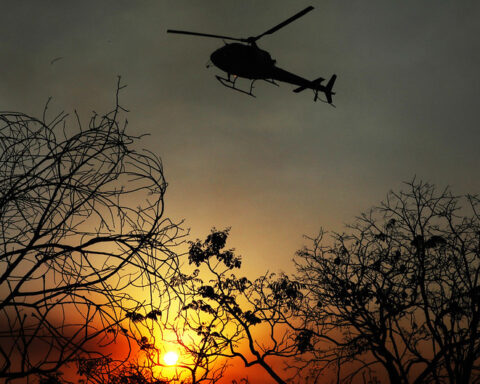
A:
[170, 358]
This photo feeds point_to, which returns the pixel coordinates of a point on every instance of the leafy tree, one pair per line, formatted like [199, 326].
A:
[82, 233]
[235, 318]
[99, 371]
[397, 295]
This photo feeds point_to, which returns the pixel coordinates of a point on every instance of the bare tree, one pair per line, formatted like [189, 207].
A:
[83, 239]
[397, 296]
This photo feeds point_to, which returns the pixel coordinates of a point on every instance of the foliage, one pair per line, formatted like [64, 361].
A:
[398, 294]
[99, 371]
[234, 317]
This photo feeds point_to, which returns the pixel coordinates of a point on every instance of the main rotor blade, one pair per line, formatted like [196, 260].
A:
[281, 25]
[204, 35]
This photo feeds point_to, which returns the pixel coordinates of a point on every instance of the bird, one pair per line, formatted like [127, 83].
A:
[56, 59]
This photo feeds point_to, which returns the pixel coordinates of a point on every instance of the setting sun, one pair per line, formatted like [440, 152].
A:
[170, 358]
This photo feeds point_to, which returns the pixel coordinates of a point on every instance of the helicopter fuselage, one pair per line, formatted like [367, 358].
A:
[251, 62]
[243, 60]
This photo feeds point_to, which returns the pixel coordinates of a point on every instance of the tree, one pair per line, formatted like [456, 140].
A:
[99, 371]
[83, 239]
[397, 295]
[234, 318]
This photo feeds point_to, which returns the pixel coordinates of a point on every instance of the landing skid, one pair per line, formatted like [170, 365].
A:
[231, 84]
[227, 82]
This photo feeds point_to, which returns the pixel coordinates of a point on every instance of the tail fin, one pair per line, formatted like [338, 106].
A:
[328, 88]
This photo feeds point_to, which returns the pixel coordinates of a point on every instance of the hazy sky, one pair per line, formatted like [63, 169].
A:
[277, 166]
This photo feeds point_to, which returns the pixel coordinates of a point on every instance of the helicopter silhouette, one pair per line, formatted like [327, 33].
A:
[245, 59]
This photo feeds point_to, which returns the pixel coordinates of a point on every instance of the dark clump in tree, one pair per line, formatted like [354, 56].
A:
[81, 220]
[129, 373]
[397, 295]
[235, 317]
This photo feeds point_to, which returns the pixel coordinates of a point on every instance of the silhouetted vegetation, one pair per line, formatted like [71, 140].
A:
[395, 298]
[88, 269]
[236, 318]
[397, 295]
[82, 229]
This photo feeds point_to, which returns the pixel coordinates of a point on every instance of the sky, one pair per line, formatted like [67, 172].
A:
[278, 166]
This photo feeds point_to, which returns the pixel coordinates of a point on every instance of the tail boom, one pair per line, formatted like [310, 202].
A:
[318, 87]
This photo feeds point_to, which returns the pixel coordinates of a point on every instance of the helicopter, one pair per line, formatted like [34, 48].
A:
[244, 59]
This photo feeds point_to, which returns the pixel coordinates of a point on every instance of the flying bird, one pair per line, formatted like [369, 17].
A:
[56, 59]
